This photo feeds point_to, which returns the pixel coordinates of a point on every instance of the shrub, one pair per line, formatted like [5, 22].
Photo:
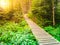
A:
[12, 33]
[54, 31]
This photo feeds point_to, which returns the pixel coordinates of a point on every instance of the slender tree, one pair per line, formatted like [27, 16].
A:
[53, 12]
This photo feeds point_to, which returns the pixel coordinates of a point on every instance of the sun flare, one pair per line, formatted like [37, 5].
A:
[8, 5]
[4, 3]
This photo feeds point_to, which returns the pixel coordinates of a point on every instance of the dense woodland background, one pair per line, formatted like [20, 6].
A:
[43, 10]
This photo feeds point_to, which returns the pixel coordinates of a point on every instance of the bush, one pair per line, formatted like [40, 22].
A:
[12, 33]
[49, 28]
[54, 31]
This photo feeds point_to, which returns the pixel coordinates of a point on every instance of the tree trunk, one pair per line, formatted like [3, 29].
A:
[53, 12]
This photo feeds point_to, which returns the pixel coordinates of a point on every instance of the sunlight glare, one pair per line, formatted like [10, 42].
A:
[4, 3]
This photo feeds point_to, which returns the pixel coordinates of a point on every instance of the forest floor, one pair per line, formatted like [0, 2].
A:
[42, 36]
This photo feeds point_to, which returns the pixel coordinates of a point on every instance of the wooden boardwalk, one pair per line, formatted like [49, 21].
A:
[43, 37]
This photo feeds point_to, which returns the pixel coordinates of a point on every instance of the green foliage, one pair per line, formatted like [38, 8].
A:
[12, 33]
[58, 13]
[41, 11]
[54, 31]
[49, 28]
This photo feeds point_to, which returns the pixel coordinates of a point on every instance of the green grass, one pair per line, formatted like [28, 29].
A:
[16, 34]
[54, 31]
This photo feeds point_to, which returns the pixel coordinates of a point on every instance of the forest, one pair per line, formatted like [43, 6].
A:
[14, 30]
[46, 13]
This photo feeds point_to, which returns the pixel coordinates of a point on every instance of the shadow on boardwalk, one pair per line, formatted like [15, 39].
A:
[43, 37]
